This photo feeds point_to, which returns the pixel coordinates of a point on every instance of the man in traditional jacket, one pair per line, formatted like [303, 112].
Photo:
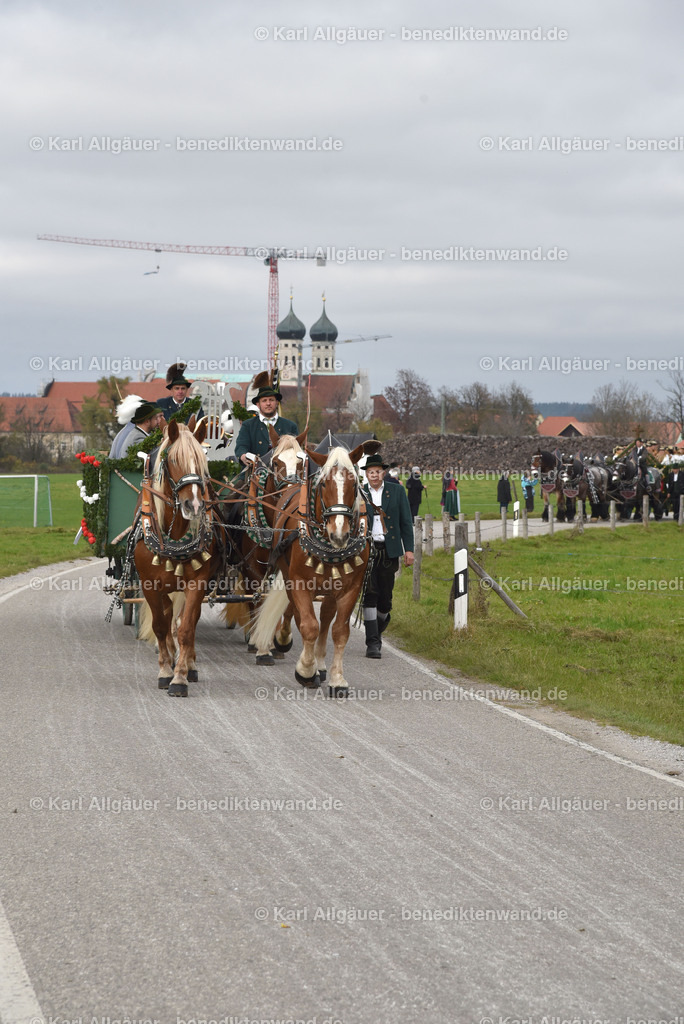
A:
[179, 386]
[391, 527]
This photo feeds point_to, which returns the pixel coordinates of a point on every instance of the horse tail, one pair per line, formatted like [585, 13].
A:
[145, 630]
[269, 615]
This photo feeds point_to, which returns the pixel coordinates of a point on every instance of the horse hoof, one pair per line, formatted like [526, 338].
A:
[192, 675]
[265, 659]
[178, 690]
[323, 673]
[278, 655]
[312, 682]
[283, 648]
[163, 682]
[339, 692]
[251, 648]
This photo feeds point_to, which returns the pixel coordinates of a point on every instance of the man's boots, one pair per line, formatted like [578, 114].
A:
[373, 641]
[383, 622]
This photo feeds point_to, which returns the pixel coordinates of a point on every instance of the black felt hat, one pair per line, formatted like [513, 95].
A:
[375, 460]
[174, 376]
[145, 411]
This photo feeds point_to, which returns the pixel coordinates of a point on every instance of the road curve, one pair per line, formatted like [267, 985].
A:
[259, 852]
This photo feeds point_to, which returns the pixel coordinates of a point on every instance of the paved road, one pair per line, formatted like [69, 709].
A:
[409, 855]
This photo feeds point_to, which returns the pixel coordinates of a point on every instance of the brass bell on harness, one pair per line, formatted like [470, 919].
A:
[358, 560]
[335, 573]
[206, 555]
[309, 561]
[168, 565]
[347, 568]
[178, 571]
[195, 564]
[156, 560]
[320, 569]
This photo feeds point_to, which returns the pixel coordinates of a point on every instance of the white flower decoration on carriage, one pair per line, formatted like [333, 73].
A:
[89, 499]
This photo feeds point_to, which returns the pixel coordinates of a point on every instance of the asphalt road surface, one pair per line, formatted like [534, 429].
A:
[260, 852]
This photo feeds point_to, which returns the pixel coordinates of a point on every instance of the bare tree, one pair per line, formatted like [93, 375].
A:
[476, 406]
[622, 409]
[674, 403]
[514, 411]
[28, 433]
[412, 400]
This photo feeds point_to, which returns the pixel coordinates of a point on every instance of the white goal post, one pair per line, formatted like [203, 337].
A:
[35, 477]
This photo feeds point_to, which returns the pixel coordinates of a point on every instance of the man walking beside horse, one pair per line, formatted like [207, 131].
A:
[391, 525]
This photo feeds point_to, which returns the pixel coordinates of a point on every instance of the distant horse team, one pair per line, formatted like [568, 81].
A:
[598, 480]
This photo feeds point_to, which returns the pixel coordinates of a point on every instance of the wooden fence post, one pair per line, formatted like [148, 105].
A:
[645, 509]
[478, 533]
[680, 519]
[429, 540]
[613, 512]
[504, 521]
[417, 558]
[550, 507]
[525, 524]
[446, 532]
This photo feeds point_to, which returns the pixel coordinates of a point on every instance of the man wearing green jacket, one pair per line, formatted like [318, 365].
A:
[253, 440]
[391, 527]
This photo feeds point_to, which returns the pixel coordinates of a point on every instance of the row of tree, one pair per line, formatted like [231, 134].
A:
[616, 409]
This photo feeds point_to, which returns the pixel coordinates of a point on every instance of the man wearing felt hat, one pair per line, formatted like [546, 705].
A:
[178, 385]
[139, 418]
[253, 440]
[391, 527]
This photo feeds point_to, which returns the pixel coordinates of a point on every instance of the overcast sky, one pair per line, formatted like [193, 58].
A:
[422, 136]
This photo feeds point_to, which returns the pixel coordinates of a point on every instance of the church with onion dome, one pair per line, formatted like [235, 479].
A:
[291, 333]
[315, 361]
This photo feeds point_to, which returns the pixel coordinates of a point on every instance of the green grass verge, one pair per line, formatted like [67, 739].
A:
[614, 648]
[23, 547]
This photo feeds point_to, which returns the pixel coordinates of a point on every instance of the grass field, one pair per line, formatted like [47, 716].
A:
[476, 496]
[23, 547]
[606, 623]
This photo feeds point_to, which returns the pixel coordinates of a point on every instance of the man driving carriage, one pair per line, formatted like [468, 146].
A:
[253, 440]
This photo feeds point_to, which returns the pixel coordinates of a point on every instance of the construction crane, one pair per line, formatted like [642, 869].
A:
[270, 257]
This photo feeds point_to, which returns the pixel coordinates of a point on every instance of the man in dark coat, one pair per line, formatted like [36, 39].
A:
[178, 385]
[414, 491]
[253, 439]
[503, 491]
[391, 527]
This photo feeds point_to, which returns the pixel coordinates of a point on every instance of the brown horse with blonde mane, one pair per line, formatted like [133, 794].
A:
[251, 530]
[179, 548]
[321, 550]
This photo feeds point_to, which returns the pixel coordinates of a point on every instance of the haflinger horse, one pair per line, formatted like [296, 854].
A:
[550, 467]
[178, 541]
[251, 517]
[321, 547]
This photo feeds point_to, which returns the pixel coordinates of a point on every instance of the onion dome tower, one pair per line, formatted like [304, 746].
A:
[290, 333]
[323, 335]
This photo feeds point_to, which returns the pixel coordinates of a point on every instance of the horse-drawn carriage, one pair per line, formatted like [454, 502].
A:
[174, 543]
